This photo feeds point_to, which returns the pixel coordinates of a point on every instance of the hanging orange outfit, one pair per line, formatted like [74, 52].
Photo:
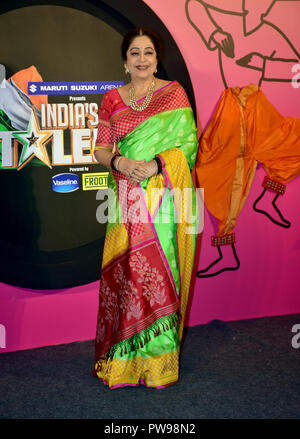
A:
[245, 130]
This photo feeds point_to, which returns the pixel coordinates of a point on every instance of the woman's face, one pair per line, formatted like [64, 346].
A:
[141, 58]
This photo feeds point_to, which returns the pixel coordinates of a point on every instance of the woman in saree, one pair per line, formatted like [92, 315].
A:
[147, 138]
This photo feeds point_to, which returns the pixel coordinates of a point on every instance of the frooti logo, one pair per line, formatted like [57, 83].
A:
[32, 88]
[2, 337]
[65, 183]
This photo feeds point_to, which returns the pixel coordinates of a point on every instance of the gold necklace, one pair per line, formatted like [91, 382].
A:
[132, 99]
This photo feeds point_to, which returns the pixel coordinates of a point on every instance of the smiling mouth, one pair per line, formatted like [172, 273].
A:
[142, 67]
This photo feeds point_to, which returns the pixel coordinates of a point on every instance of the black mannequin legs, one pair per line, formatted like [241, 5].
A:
[201, 273]
[229, 239]
[284, 223]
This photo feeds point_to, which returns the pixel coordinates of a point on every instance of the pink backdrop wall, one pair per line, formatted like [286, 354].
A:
[267, 282]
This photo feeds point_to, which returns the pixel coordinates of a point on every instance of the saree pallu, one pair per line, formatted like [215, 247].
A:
[148, 252]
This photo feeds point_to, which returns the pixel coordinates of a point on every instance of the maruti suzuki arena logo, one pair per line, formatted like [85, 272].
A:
[33, 88]
[65, 183]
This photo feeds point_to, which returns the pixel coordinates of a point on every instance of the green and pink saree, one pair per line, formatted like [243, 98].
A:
[150, 241]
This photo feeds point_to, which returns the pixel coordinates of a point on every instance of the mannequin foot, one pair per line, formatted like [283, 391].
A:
[273, 213]
[217, 267]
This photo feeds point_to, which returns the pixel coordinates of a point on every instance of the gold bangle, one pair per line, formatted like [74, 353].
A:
[118, 161]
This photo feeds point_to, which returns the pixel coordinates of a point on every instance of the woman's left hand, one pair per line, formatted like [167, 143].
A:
[142, 171]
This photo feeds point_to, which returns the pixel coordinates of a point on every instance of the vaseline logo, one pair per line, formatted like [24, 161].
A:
[65, 183]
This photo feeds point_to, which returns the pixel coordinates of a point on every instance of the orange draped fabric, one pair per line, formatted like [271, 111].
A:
[245, 130]
[22, 78]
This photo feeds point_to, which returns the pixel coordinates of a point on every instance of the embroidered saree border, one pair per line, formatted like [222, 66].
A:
[156, 95]
[153, 371]
[180, 177]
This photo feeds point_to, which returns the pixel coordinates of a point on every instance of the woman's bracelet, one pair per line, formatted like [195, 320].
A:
[159, 165]
[112, 165]
[117, 163]
[156, 167]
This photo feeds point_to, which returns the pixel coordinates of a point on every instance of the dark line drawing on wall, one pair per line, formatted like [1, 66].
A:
[203, 16]
[251, 49]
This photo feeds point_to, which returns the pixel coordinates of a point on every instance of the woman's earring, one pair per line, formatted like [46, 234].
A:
[155, 70]
[126, 69]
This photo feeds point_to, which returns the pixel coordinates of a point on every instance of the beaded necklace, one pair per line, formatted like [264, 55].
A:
[132, 99]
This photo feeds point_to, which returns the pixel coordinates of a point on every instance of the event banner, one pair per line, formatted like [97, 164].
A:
[52, 134]
[49, 180]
